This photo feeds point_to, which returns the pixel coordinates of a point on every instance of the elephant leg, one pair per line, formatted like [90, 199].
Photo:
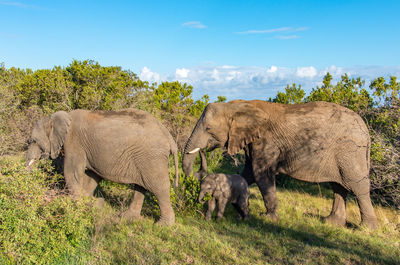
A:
[78, 182]
[362, 191]
[243, 205]
[135, 207]
[356, 178]
[167, 213]
[338, 213]
[247, 172]
[238, 209]
[221, 208]
[159, 185]
[211, 207]
[354, 170]
[268, 190]
[90, 183]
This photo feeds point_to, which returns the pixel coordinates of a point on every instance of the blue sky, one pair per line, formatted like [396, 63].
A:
[240, 49]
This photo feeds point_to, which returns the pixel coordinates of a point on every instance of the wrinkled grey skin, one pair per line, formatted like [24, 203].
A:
[128, 146]
[203, 167]
[225, 189]
[315, 142]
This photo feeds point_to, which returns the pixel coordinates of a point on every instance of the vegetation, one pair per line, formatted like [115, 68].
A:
[41, 224]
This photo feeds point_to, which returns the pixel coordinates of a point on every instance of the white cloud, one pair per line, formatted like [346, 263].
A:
[20, 5]
[15, 4]
[287, 37]
[260, 82]
[181, 73]
[272, 69]
[309, 72]
[300, 29]
[227, 67]
[265, 31]
[268, 31]
[194, 25]
[147, 75]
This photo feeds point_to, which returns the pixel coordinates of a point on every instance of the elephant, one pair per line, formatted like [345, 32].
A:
[225, 188]
[203, 167]
[313, 142]
[128, 146]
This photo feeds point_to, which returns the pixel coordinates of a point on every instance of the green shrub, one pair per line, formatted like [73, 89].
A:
[37, 224]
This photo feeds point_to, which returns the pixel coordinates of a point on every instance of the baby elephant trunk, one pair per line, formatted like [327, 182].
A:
[201, 197]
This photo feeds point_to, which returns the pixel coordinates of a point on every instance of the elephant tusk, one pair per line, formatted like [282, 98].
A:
[31, 162]
[194, 150]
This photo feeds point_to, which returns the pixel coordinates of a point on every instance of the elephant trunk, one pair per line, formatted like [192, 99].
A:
[188, 161]
[33, 154]
[196, 143]
[201, 197]
[203, 166]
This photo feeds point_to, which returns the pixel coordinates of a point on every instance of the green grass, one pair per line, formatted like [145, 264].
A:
[299, 237]
[76, 233]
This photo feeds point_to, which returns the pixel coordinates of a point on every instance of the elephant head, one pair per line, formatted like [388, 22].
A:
[231, 125]
[208, 186]
[47, 137]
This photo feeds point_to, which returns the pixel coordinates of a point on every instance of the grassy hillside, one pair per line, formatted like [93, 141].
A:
[40, 224]
[299, 237]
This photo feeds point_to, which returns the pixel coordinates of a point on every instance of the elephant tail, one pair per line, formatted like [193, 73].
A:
[174, 152]
[369, 155]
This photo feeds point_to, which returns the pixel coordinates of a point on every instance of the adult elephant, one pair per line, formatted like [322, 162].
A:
[315, 142]
[127, 146]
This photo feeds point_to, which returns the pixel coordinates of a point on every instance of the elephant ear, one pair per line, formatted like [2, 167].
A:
[59, 126]
[245, 127]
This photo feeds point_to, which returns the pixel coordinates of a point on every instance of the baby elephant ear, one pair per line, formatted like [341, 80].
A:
[59, 126]
[245, 127]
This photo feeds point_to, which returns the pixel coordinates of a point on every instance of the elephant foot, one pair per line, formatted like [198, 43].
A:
[271, 216]
[219, 218]
[130, 215]
[371, 223]
[166, 221]
[207, 218]
[243, 218]
[335, 220]
[100, 202]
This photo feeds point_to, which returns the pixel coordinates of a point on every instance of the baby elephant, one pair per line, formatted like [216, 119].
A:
[223, 189]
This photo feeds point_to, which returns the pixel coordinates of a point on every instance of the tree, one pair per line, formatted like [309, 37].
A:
[221, 99]
[292, 95]
[174, 105]
[348, 92]
[387, 93]
[99, 87]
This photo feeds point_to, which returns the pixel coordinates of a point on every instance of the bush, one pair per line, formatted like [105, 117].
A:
[38, 224]
[15, 123]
